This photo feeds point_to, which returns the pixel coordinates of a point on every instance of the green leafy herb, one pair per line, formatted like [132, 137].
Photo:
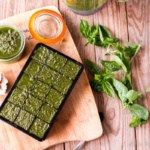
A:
[121, 89]
[108, 89]
[97, 34]
[127, 81]
[133, 96]
[110, 65]
[123, 62]
[104, 79]
[132, 50]
[85, 28]
[136, 122]
[93, 68]
[139, 111]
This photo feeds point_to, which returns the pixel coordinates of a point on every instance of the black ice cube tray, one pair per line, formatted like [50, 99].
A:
[40, 91]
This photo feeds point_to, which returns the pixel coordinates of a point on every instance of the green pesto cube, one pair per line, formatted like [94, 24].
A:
[45, 82]
[26, 82]
[10, 111]
[38, 127]
[24, 119]
[18, 97]
[10, 42]
[47, 75]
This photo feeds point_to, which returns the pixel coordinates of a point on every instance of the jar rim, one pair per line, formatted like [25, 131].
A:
[38, 36]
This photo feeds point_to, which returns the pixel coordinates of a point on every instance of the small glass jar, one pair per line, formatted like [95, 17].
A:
[47, 26]
[15, 53]
[85, 7]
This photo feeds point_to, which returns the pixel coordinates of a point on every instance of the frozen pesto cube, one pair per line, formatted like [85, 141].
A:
[42, 53]
[24, 119]
[40, 90]
[47, 75]
[39, 128]
[63, 84]
[46, 113]
[54, 98]
[71, 69]
[32, 104]
[18, 96]
[57, 62]
[25, 82]
[33, 68]
[9, 111]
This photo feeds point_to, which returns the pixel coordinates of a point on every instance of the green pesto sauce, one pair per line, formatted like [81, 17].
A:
[26, 82]
[41, 54]
[18, 97]
[85, 5]
[10, 42]
[40, 90]
[46, 113]
[33, 68]
[57, 62]
[63, 84]
[38, 128]
[9, 111]
[47, 75]
[32, 104]
[24, 119]
[54, 98]
[71, 69]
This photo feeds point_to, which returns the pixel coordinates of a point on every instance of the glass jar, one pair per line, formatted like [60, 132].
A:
[13, 43]
[85, 7]
[47, 26]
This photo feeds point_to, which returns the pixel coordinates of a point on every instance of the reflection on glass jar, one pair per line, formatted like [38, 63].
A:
[85, 7]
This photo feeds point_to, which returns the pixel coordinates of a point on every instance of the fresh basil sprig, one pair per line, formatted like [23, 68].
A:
[104, 79]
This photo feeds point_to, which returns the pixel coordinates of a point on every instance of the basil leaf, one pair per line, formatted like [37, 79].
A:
[104, 33]
[85, 28]
[110, 66]
[108, 89]
[97, 34]
[139, 111]
[101, 83]
[132, 50]
[93, 37]
[123, 62]
[92, 67]
[133, 96]
[96, 83]
[136, 122]
[121, 90]
[96, 86]
[109, 42]
[127, 81]
[119, 48]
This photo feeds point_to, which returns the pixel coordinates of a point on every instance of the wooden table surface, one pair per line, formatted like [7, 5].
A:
[128, 21]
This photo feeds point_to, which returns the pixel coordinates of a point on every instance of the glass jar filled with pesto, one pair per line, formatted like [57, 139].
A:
[12, 42]
[85, 7]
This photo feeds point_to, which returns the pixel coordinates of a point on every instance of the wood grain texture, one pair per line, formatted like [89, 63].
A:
[139, 32]
[116, 123]
[129, 21]
[116, 131]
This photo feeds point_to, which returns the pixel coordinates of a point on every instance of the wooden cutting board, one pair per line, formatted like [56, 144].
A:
[78, 120]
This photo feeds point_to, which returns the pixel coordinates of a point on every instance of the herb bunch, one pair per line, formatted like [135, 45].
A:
[105, 79]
